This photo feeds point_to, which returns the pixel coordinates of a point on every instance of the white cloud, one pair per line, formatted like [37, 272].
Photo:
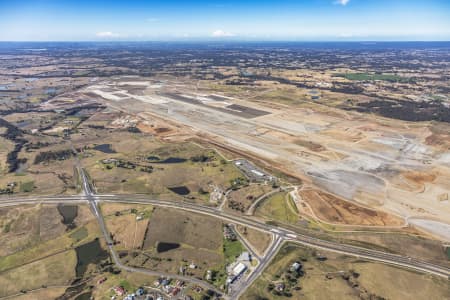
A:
[346, 35]
[342, 2]
[220, 33]
[106, 34]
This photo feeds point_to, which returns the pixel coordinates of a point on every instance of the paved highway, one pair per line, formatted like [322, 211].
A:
[281, 234]
[285, 233]
[93, 202]
[93, 199]
[290, 235]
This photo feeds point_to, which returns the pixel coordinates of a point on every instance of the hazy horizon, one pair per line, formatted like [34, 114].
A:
[284, 20]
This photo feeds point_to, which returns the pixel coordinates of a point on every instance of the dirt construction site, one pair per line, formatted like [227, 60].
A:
[379, 164]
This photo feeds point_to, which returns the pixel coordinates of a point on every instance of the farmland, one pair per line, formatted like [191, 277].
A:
[128, 226]
[57, 270]
[344, 144]
[157, 168]
[189, 239]
[38, 249]
[326, 275]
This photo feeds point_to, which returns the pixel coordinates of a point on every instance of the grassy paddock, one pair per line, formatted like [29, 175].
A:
[322, 279]
[58, 269]
[277, 208]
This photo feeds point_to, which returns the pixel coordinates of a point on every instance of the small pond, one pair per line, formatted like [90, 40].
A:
[89, 253]
[169, 160]
[164, 247]
[68, 212]
[105, 148]
[180, 190]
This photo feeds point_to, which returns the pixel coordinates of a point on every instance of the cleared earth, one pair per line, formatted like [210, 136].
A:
[350, 155]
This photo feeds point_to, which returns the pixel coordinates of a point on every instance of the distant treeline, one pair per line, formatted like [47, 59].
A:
[13, 134]
[406, 110]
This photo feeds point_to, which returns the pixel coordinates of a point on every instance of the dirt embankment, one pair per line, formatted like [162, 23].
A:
[335, 210]
[415, 180]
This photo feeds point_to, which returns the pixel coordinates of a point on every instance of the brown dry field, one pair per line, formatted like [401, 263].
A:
[42, 294]
[175, 226]
[243, 195]
[31, 225]
[112, 208]
[58, 269]
[405, 244]
[200, 242]
[84, 215]
[36, 232]
[136, 148]
[373, 279]
[127, 231]
[28, 225]
[259, 240]
[335, 210]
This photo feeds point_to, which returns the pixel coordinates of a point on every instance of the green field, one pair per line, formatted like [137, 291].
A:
[27, 187]
[277, 208]
[79, 234]
[231, 250]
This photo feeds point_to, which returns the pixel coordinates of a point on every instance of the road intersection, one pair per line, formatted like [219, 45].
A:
[280, 235]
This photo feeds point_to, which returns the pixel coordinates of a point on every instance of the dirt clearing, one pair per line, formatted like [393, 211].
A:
[335, 210]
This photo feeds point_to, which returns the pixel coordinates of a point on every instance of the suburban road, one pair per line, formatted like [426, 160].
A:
[93, 203]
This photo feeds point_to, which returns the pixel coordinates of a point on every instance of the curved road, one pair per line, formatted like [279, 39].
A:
[281, 235]
[93, 202]
[284, 233]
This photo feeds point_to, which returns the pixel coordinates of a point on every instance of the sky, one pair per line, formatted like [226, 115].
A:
[261, 20]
